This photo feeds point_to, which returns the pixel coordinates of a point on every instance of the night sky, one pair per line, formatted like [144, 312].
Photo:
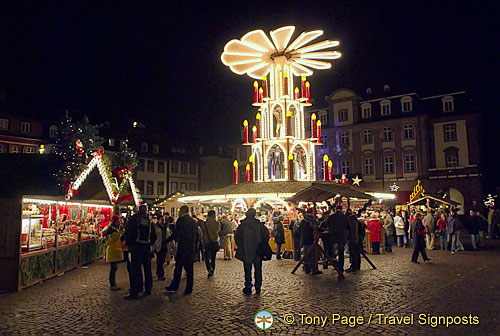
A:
[161, 64]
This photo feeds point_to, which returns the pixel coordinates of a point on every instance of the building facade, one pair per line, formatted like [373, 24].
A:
[393, 140]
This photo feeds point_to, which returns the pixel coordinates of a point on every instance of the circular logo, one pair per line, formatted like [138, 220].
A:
[264, 320]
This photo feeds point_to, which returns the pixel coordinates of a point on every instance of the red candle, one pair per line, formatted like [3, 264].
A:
[308, 92]
[254, 132]
[235, 164]
[318, 133]
[285, 83]
[325, 167]
[257, 117]
[303, 84]
[248, 172]
[297, 93]
[255, 92]
[245, 125]
[264, 85]
[330, 170]
[250, 159]
[261, 95]
[313, 125]
[288, 123]
[290, 167]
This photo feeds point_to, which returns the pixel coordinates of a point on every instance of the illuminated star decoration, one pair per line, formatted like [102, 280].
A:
[336, 180]
[254, 53]
[394, 187]
[356, 180]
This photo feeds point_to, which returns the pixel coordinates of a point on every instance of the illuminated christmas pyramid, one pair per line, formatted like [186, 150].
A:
[280, 149]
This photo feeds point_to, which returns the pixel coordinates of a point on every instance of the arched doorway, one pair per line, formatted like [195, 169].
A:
[277, 120]
[299, 163]
[454, 195]
[257, 165]
[275, 163]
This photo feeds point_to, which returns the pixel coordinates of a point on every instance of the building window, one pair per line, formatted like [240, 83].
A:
[451, 160]
[144, 147]
[367, 137]
[345, 167]
[183, 186]
[366, 111]
[344, 138]
[448, 105]
[3, 148]
[53, 131]
[389, 164]
[161, 167]
[450, 133]
[343, 115]
[150, 187]
[25, 127]
[4, 124]
[140, 185]
[184, 167]
[406, 105]
[324, 141]
[156, 149]
[151, 166]
[368, 166]
[173, 186]
[324, 119]
[111, 142]
[141, 164]
[409, 163]
[387, 133]
[16, 149]
[385, 107]
[192, 168]
[30, 150]
[408, 132]
[192, 186]
[161, 188]
[175, 166]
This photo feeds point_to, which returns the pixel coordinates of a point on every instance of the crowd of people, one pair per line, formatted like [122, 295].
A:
[192, 238]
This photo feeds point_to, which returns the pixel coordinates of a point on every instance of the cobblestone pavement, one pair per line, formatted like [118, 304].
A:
[80, 302]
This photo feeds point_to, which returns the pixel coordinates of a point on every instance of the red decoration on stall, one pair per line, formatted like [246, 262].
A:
[343, 179]
[79, 146]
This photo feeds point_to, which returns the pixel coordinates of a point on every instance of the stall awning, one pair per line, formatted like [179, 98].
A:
[322, 191]
[424, 199]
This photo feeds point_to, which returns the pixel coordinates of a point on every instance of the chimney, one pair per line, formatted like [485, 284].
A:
[386, 88]
[369, 91]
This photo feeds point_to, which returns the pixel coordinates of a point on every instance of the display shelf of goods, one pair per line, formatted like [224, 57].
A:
[36, 268]
[101, 248]
[88, 251]
[67, 258]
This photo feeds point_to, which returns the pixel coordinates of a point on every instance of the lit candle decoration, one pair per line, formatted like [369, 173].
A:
[330, 170]
[257, 117]
[254, 133]
[245, 125]
[303, 86]
[297, 93]
[248, 172]
[290, 167]
[318, 133]
[261, 95]
[255, 92]
[264, 85]
[313, 125]
[235, 164]
[285, 83]
[308, 92]
[288, 123]
[250, 160]
[325, 167]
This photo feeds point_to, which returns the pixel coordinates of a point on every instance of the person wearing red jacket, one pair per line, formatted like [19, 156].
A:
[374, 225]
[443, 238]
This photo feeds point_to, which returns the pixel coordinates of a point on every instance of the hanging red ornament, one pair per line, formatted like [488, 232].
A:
[79, 146]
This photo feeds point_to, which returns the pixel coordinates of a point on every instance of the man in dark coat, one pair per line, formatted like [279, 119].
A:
[140, 235]
[353, 239]
[185, 233]
[307, 239]
[473, 228]
[295, 230]
[338, 225]
[249, 234]
[418, 237]
[279, 235]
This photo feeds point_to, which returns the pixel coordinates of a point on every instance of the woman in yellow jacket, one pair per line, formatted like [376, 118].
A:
[114, 251]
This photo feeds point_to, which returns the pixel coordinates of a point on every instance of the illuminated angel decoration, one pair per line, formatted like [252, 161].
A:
[254, 53]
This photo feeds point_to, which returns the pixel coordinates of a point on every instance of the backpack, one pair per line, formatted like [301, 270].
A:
[143, 231]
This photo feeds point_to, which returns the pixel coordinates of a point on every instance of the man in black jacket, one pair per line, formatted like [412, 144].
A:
[356, 230]
[185, 234]
[338, 225]
[140, 235]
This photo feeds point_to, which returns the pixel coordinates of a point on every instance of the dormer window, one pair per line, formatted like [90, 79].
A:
[53, 131]
[366, 111]
[156, 149]
[448, 105]
[343, 115]
[385, 107]
[144, 147]
[406, 105]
